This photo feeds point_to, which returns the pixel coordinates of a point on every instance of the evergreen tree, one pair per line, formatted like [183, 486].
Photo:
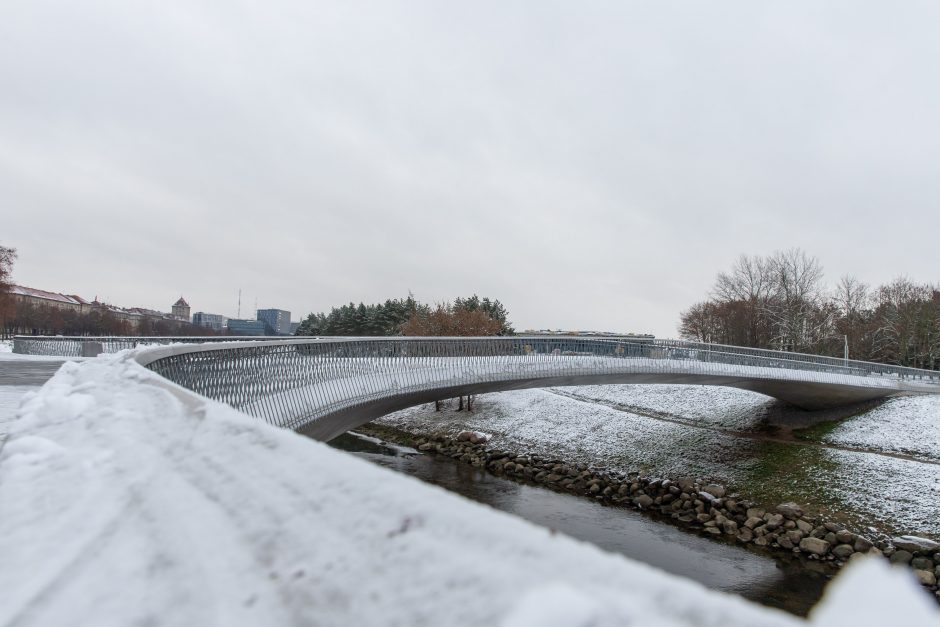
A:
[386, 319]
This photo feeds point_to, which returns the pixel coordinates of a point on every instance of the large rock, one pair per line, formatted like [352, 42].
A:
[643, 501]
[755, 512]
[753, 521]
[845, 537]
[915, 544]
[901, 557]
[863, 545]
[843, 551]
[790, 510]
[709, 498]
[926, 577]
[816, 546]
[922, 563]
[715, 490]
[804, 526]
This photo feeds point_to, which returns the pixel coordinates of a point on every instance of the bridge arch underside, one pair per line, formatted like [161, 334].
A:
[806, 395]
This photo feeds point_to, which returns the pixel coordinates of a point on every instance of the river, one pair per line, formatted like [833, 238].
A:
[785, 583]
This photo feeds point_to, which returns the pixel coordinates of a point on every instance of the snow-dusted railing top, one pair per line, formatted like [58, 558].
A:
[329, 385]
[72, 345]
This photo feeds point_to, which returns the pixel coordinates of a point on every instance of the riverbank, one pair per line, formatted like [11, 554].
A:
[878, 468]
[688, 502]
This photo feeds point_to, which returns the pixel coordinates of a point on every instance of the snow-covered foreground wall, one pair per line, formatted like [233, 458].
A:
[126, 501]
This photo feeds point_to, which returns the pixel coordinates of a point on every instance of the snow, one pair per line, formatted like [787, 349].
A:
[127, 500]
[552, 424]
[708, 404]
[8, 356]
[871, 593]
[714, 433]
[10, 396]
[906, 425]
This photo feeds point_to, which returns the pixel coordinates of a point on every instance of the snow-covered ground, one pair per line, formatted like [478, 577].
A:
[908, 425]
[127, 502]
[709, 404]
[614, 426]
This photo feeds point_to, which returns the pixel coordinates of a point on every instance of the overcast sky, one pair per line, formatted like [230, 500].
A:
[592, 165]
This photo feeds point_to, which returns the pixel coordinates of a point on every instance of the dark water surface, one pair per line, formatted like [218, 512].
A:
[782, 584]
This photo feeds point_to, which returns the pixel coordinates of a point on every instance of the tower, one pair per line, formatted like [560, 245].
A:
[181, 309]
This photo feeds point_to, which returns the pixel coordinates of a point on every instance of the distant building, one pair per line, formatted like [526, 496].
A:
[69, 302]
[42, 298]
[181, 309]
[245, 327]
[276, 321]
[216, 322]
[293, 327]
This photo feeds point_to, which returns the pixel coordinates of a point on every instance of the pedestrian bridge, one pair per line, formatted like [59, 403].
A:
[325, 387]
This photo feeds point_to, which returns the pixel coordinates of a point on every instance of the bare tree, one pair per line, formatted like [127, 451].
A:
[745, 292]
[780, 302]
[899, 316]
[852, 300]
[851, 296]
[797, 294]
[7, 306]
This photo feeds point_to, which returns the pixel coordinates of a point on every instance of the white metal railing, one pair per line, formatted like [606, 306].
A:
[293, 382]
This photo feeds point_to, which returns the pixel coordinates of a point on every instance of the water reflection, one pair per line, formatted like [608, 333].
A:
[724, 567]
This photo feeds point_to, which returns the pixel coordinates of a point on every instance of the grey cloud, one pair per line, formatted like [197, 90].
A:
[592, 166]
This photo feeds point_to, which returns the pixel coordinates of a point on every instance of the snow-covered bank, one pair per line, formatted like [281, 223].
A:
[908, 425]
[124, 503]
[612, 426]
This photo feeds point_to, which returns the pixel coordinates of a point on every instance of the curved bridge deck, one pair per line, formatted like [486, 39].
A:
[328, 386]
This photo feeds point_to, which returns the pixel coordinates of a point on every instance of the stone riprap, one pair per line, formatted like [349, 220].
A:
[686, 501]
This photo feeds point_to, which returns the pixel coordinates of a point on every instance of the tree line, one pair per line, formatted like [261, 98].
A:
[406, 316]
[780, 301]
[30, 319]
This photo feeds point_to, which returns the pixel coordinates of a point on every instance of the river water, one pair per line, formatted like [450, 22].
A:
[783, 584]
